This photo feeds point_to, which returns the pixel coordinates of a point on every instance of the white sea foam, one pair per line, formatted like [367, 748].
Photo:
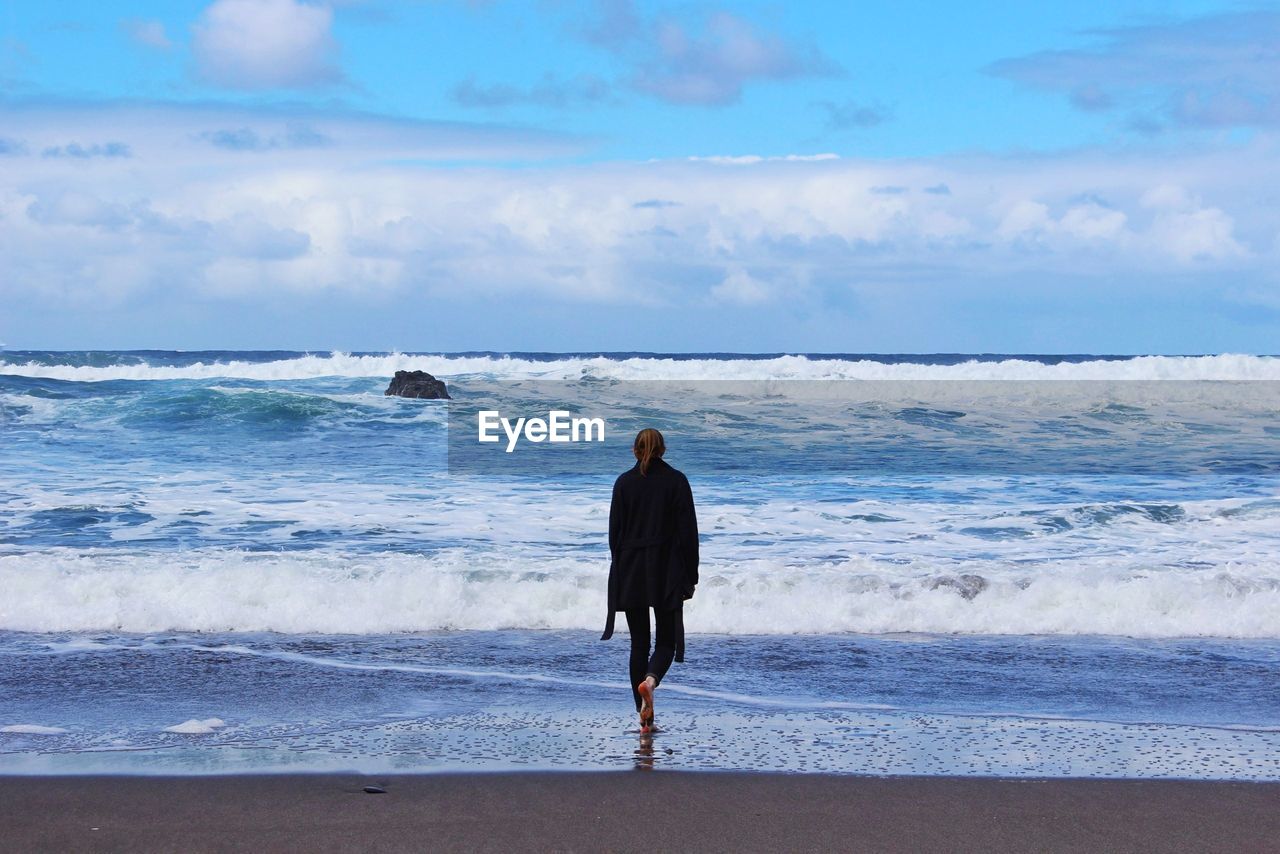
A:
[33, 729]
[196, 726]
[1219, 367]
[309, 593]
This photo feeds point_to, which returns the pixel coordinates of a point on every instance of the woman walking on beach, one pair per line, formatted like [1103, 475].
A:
[653, 543]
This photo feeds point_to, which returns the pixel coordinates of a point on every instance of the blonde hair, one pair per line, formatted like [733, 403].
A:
[648, 447]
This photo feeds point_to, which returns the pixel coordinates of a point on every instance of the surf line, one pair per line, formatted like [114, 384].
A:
[559, 426]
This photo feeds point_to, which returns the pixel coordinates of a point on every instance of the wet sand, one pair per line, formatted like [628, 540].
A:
[574, 811]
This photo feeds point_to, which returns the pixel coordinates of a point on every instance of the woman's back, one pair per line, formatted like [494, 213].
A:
[646, 502]
[653, 539]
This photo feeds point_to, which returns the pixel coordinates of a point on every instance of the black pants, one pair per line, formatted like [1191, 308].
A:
[642, 664]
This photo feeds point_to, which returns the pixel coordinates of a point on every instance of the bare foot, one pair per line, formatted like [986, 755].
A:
[645, 690]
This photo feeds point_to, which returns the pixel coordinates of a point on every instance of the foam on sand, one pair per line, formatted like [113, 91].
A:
[33, 729]
[196, 726]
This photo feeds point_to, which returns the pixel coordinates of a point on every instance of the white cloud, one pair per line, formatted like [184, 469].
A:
[152, 135]
[266, 44]
[741, 288]
[1024, 218]
[1186, 229]
[1167, 197]
[1086, 222]
[361, 214]
[752, 159]
[1091, 221]
[72, 207]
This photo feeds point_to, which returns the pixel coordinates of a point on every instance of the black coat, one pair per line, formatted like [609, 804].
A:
[653, 543]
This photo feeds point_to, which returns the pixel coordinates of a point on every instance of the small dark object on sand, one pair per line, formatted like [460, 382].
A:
[374, 790]
[417, 384]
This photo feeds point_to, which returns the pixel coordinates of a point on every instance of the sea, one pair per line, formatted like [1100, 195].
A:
[961, 564]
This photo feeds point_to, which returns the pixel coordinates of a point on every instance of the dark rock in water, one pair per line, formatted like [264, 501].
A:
[418, 384]
[375, 790]
[968, 586]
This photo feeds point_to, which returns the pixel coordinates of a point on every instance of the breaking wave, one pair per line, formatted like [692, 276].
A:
[649, 367]
[220, 591]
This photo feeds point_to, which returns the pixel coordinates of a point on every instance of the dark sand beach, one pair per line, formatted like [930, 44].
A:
[607, 811]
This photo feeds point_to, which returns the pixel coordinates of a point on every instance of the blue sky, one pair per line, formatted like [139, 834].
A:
[555, 175]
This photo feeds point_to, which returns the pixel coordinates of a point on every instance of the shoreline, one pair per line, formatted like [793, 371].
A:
[574, 810]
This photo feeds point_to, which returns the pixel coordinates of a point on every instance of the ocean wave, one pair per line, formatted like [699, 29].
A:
[1217, 367]
[210, 406]
[221, 591]
[214, 407]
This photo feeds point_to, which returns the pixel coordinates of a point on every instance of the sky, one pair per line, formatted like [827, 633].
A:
[606, 175]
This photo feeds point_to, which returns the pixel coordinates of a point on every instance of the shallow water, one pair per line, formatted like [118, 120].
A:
[450, 700]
